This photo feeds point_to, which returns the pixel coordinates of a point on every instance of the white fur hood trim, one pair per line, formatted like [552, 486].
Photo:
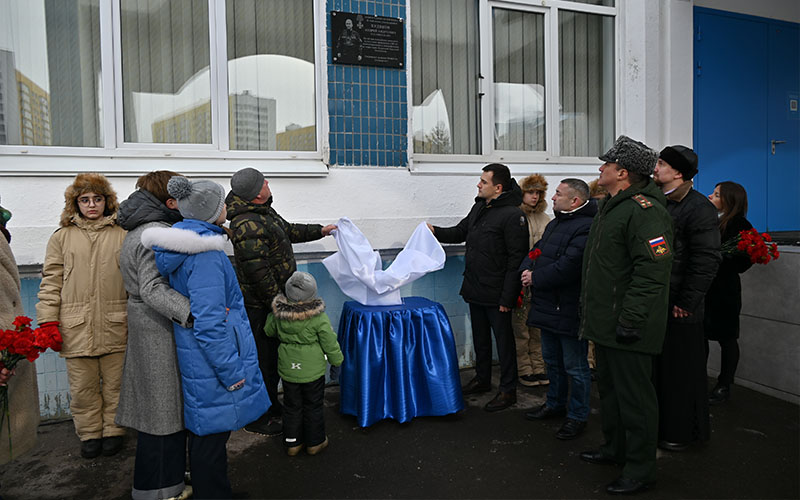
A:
[181, 240]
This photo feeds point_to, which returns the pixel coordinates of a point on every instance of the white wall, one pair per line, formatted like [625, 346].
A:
[784, 10]
[386, 203]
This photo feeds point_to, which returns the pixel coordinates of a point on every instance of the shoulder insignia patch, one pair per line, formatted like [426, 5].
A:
[521, 220]
[659, 246]
[642, 201]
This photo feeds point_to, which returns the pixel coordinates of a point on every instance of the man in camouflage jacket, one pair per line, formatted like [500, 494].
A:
[262, 250]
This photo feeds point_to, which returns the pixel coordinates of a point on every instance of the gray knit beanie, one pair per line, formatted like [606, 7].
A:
[201, 200]
[301, 287]
[632, 156]
[247, 183]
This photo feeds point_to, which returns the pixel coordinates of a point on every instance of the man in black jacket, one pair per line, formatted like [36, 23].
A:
[496, 236]
[681, 367]
[555, 281]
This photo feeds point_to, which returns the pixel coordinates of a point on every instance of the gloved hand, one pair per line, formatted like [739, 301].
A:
[627, 336]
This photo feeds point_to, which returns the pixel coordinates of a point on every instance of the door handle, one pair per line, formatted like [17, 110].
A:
[774, 143]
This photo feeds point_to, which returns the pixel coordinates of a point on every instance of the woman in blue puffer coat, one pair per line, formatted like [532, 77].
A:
[222, 385]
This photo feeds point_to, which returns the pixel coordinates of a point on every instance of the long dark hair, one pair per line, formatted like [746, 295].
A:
[734, 202]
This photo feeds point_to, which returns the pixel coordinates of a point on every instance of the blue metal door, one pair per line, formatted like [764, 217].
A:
[745, 91]
[783, 164]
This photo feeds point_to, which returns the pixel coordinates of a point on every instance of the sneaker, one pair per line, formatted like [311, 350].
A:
[271, 427]
[313, 450]
[529, 380]
[542, 379]
[91, 448]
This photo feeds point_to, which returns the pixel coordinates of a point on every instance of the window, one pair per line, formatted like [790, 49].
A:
[166, 79]
[267, 38]
[185, 77]
[529, 82]
[50, 50]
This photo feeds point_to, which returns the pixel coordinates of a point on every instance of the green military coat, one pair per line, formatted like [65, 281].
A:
[626, 269]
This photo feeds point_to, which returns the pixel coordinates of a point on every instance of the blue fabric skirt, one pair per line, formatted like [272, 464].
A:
[400, 362]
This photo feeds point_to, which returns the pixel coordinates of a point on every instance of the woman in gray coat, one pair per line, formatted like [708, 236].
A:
[151, 399]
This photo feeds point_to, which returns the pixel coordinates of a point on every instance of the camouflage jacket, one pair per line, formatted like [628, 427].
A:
[262, 248]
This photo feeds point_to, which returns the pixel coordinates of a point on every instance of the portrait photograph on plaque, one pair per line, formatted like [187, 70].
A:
[367, 40]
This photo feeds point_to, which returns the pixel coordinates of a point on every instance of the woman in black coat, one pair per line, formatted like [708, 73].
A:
[724, 297]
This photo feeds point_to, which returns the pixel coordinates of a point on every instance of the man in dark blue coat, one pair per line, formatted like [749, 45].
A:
[495, 233]
[555, 280]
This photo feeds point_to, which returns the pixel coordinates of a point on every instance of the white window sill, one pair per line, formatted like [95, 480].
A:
[126, 166]
[564, 166]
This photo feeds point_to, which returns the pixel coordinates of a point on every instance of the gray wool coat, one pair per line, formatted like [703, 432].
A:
[151, 399]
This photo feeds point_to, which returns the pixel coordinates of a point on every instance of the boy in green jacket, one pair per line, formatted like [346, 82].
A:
[299, 321]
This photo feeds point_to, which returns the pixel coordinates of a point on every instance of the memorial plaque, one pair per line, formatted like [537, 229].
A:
[367, 40]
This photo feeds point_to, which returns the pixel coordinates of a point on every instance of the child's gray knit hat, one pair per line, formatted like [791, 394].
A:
[301, 287]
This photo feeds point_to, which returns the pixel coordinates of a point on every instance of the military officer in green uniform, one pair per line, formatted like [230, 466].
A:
[626, 271]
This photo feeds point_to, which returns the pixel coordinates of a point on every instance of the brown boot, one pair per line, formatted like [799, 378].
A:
[313, 450]
[502, 401]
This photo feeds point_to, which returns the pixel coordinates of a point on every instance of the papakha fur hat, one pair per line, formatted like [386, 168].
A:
[632, 155]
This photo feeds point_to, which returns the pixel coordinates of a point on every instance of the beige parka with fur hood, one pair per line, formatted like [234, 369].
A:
[537, 219]
[82, 285]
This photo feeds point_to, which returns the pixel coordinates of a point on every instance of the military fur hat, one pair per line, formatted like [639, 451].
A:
[632, 155]
[87, 183]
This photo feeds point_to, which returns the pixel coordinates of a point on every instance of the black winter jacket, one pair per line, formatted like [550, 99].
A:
[496, 236]
[724, 298]
[695, 249]
[556, 274]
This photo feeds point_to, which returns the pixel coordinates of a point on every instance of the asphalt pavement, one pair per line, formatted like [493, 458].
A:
[754, 452]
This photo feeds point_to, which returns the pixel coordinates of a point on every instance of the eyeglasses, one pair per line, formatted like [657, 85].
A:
[86, 200]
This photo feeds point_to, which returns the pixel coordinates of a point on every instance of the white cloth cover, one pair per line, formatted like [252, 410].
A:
[358, 269]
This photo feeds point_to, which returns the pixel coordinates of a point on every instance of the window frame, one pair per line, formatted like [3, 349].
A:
[114, 146]
[524, 161]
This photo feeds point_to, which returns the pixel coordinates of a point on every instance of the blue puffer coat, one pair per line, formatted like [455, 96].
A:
[556, 276]
[219, 350]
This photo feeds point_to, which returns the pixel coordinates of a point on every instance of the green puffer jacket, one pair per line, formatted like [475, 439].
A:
[306, 337]
[626, 270]
[262, 248]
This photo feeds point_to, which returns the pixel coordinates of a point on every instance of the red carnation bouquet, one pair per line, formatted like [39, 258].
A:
[533, 255]
[22, 343]
[757, 246]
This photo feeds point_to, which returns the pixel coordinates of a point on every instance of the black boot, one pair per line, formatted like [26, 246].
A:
[719, 394]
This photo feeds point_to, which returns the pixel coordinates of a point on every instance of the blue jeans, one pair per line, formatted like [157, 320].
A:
[566, 360]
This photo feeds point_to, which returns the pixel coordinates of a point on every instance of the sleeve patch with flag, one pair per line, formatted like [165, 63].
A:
[658, 246]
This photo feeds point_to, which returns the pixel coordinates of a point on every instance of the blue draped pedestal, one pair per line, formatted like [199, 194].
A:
[399, 362]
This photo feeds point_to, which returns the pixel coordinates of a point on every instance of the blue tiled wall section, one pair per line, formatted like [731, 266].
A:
[367, 105]
[51, 370]
[441, 286]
